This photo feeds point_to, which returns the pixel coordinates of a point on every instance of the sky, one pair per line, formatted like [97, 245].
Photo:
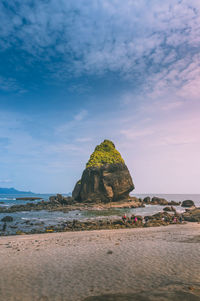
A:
[73, 73]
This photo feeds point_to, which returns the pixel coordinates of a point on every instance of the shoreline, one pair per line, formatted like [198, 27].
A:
[34, 235]
[164, 218]
[76, 266]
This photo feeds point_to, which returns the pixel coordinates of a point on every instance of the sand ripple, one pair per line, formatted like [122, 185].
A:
[118, 265]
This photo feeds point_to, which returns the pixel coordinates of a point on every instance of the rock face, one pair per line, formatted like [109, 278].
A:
[106, 177]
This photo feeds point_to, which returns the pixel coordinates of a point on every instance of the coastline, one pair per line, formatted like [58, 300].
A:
[75, 265]
[60, 214]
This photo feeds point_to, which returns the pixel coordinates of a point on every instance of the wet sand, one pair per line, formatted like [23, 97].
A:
[161, 263]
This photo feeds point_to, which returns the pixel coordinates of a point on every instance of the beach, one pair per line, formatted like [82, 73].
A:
[161, 263]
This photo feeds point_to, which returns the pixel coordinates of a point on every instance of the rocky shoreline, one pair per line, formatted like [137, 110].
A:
[66, 204]
[135, 221]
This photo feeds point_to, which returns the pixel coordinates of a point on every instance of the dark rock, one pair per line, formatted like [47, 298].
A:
[109, 252]
[52, 198]
[28, 199]
[188, 203]
[192, 215]
[54, 203]
[147, 200]
[106, 177]
[59, 197]
[7, 219]
[77, 189]
[110, 182]
[172, 209]
[159, 201]
[173, 203]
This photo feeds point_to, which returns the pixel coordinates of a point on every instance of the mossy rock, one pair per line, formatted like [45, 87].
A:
[106, 178]
[105, 153]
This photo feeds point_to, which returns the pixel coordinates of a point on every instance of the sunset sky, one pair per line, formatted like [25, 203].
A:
[73, 73]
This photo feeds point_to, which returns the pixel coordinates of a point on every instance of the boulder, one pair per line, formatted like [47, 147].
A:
[7, 219]
[159, 201]
[188, 203]
[173, 203]
[106, 177]
[59, 197]
[52, 198]
[192, 215]
[147, 200]
[169, 209]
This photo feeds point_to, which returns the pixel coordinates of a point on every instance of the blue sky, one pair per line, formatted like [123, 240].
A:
[73, 73]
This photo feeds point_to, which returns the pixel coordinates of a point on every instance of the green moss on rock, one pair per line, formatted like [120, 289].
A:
[105, 153]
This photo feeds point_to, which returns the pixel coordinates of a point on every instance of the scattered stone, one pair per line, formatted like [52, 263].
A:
[55, 203]
[159, 201]
[173, 203]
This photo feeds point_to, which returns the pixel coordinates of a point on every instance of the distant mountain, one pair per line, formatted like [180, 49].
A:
[13, 191]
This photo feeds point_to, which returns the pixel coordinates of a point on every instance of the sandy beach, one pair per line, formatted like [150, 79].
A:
[161, 263]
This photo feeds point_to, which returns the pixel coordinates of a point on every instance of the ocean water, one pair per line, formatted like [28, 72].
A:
[26, 221]
[10, 199]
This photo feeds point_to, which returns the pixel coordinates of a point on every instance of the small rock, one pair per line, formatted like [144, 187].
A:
[172, 209]
[109, 252]
[147, 200]
[7, 219]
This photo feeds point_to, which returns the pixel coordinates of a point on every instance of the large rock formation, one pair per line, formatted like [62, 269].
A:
[106, 177]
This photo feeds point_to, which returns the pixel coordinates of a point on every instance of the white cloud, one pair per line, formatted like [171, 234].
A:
[81, 115]
[135, 133]
[97, 36]
[84, 139]
[5, 181]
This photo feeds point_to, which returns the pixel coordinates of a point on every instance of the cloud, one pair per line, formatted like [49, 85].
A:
[146, 50]
[134, 133]
[5, 181]
[10, 84]
[81, 115]
[137, 40]
[70, 125]
[84, 139]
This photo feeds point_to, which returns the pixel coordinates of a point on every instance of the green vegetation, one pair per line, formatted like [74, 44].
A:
[105, 212]
[105, 153]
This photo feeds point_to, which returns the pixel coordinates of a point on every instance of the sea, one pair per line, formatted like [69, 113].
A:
[26, 221]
